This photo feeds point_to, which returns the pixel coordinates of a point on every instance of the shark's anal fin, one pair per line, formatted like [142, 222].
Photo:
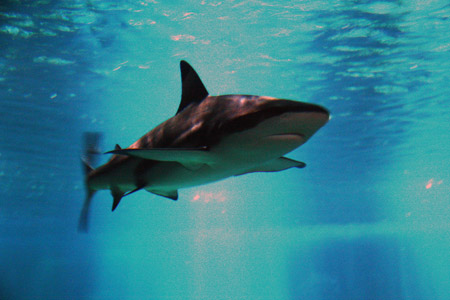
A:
[117, 195]
[192, 88]
[192, 159]
[276, 165]
[172, 195]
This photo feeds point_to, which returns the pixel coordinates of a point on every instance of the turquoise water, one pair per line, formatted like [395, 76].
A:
[368, 218]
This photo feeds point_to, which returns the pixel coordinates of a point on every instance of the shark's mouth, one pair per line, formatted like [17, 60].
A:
[284, 140]
[286, 137]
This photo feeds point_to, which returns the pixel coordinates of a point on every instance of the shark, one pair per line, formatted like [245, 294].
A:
[210, 138]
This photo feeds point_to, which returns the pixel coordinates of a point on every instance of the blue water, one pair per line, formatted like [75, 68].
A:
[368, 218]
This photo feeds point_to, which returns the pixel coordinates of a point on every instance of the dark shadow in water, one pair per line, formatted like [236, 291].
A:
[364, 268]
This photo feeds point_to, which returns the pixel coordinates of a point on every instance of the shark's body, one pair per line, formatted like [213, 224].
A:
[209, 139]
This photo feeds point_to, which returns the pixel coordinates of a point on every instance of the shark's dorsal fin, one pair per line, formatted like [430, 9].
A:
[117, 147]
[192, 88]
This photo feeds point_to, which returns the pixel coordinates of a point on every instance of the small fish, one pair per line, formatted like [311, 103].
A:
[210, 138]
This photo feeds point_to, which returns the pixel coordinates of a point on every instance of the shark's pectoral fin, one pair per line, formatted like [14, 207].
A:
[191, 158]
[276, 165]
[117, 195]
[173, 195]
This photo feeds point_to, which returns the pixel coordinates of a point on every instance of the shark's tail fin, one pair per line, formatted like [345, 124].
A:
[91, 149]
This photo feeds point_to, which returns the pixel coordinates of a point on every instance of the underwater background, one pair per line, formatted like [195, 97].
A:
[368, 218]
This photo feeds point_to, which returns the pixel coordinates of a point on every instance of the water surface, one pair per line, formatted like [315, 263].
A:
[366, 219]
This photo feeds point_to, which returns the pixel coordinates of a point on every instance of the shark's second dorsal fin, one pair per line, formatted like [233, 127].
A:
[192, 88]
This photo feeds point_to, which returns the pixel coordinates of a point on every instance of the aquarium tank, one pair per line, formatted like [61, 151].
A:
[368, 218]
